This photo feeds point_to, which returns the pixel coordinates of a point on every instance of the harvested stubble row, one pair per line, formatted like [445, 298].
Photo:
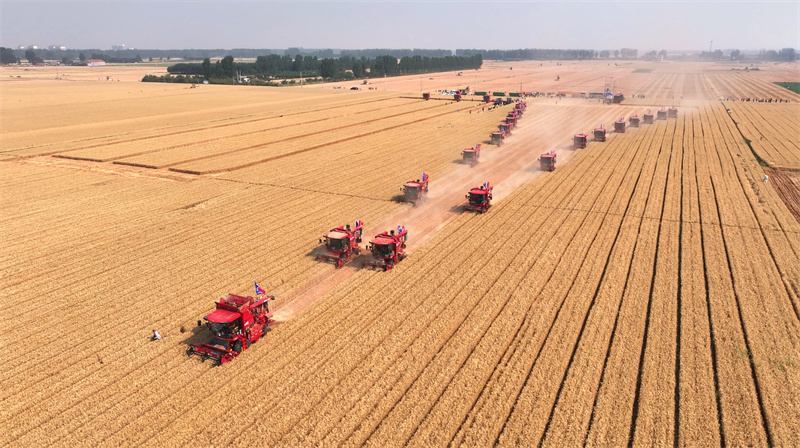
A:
[736, 86]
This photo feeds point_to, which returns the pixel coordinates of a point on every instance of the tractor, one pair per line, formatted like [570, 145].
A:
[342, 243]
[661, 114]
[579, 140]
[480, 198]
[498, 137]
[548, 161]
[647, 118]
[672, 112]
[600, 134]
[505, 127]
[619, 125]
[634, 120]
[388, 249]
[415, 191]
[426, 96]
[471, 155]
[235, 324]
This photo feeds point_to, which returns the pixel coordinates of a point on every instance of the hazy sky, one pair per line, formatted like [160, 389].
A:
[644, 25]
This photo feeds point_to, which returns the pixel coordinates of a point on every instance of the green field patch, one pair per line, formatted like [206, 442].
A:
[793, 86]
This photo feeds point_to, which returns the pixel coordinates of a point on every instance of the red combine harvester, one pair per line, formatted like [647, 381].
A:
[520, 107]
[342, 243]
[579, 140]
[661, 114]
[415, 191]
[619, 125]
[388, 249]
[426, 96]
[498, 137]
[480, 198]
[487, 98]
[471, 155]
[618, 98]
[512, 118]
[457, 97]
[672, 112]
[236, 323]
[505, 128]
[600, 134]
[634, 120]
[548, 161]
[647, 118]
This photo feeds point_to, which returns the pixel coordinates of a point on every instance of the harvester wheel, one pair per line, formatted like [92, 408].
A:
[237, 347]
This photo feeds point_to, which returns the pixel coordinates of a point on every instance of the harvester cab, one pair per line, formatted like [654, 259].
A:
[505, 128]
[235, 324]
[548, 161]
[388, 249]
[634, 120]
[342, 243]
[498, 137]
[415, 191]
[471, 155]
[672, 112]
[426, 96]
[619, 125]
[647, 118]
[479, 198]
[579, 140]
[661, 114]
[600, 134]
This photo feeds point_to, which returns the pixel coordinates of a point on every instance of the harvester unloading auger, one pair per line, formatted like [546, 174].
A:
[342, 243]
[388, 249]
[235, 324]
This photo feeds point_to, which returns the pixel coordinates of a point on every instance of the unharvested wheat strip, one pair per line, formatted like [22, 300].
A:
[484, 426]
[741, 418]
[571, 416]
[614, 403]
[656, 419]
[762, 299]
[516, 302]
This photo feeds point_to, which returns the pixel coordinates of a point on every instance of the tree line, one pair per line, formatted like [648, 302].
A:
[345, 67]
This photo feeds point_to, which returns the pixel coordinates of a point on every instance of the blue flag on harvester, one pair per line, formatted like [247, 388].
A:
[259, 291]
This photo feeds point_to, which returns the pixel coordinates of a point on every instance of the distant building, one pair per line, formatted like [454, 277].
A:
[95, 62]
[118, 47]
[57, 47]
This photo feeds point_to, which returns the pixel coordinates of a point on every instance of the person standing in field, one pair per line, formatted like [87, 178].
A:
[156, 336]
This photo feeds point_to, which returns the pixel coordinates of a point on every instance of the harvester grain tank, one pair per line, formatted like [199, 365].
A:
[600, 133]
[236, 323]
[498, 137]
[472, 155]
[661, 114]
[647, 118]
[342, 243]
[634, 120]
[415, 191]
[672, 112]
[619, 125]
[579, 140]
[479, 198]
[548, 161]
[388, 249]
